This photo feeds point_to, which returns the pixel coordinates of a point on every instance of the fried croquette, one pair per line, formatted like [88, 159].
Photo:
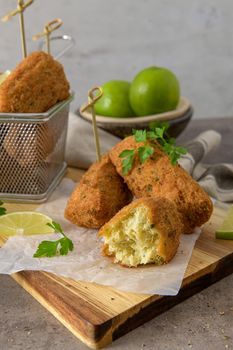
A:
[34, 86]
[100, 194]
[35, 143]
[157, 177]
[144, 232]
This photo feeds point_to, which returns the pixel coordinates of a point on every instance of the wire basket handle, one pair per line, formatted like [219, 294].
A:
[48, 29]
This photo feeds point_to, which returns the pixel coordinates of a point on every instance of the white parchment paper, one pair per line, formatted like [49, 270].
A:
[86, 262]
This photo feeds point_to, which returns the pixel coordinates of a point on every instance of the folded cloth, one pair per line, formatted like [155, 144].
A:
[216, 179]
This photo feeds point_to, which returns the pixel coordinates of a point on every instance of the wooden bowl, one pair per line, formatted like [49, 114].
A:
[178, 119]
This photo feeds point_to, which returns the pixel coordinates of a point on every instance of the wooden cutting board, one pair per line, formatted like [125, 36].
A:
[97, 315]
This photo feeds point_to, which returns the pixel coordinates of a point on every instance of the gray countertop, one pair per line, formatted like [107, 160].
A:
[202, 322]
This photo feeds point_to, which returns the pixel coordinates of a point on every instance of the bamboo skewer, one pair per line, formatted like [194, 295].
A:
[20, 10]
[48, 29]
[93, 96]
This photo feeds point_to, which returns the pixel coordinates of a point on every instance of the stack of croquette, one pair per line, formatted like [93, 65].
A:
[168, 203]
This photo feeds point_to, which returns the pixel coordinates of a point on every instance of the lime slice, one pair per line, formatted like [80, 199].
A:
[24, 223]
[224, 234]
[4, 75]
[226, 229]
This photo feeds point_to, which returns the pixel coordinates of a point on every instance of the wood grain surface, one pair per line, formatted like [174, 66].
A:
[97, 314]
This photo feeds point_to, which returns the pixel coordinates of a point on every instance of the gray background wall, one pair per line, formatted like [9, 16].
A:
[116, 39]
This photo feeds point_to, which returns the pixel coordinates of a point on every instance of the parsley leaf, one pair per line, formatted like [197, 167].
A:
[46, 249]
[56, 226]
[2, 209]
[168, 144]
[127, 162]
[127, 165]
[174, 153]
[66, 246]
[53, 248]
[181, 150]
[159, 133]
[172, 141]
[151, 135]
[140, 135]
[126, 153]
[159, 124]
[145, 152]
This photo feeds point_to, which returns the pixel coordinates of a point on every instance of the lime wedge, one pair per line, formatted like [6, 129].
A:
[225, 231]
[4, 75]
[224, 234]
[24, 223]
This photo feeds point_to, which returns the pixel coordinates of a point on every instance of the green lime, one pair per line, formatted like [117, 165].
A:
[154, 90]
[115, 100]
[225, 231]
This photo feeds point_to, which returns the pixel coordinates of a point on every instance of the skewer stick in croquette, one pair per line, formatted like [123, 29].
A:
[144, 232]
[157, 177]
[100, 194]
[93, 96]
[20, 10]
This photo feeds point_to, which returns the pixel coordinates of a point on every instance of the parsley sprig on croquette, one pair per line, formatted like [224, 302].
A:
[158, 133]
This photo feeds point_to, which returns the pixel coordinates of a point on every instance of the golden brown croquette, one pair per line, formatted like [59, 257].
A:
[100, 194]
[157, 177]
[144, 232]
[35, 85]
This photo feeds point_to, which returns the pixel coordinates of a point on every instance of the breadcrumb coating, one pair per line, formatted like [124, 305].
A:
[100, 194]
[157, 177]
[34, 86]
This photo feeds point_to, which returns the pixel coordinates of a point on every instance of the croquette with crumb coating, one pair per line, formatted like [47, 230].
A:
[35, 85]
[100, 194]
[144, 232]
[157, 177]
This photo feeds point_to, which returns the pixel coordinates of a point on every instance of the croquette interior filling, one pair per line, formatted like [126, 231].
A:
[134, 240]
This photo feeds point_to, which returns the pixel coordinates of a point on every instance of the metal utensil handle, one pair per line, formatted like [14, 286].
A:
[71, 43]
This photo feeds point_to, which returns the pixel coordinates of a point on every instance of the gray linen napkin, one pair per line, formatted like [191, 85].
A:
[216, 179]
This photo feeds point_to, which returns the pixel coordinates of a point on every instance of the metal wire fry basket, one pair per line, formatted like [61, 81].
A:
[32, 148]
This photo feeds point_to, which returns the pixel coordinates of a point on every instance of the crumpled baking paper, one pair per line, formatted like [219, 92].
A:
[86, 262]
